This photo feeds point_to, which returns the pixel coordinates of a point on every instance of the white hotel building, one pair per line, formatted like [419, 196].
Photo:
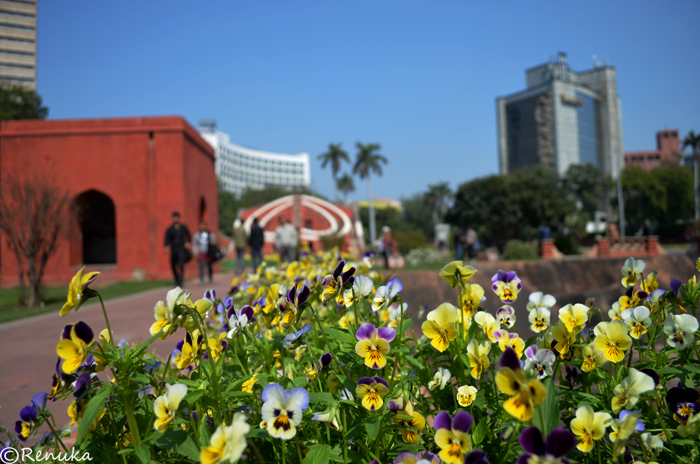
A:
[239, 167]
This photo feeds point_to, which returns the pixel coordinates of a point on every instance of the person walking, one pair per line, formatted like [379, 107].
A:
[178, 244]
[256, 241]
[240, 241]
[386, 245]
[286, 240]
[459, 240]
[203, 241]
[471, 239]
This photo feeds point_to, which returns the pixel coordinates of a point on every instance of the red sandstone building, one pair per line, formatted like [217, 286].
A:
[313, 217]
[127, 175]
[667, 151]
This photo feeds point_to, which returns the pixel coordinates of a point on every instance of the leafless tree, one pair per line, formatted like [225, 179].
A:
[34, 219]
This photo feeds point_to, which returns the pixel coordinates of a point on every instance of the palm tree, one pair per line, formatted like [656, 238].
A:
[335, 156]
[437, 197]
[366, 161]
[692, 140]
[345, 184]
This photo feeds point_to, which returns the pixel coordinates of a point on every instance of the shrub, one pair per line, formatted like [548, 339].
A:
[566, 243]
[424, 255]
[409, 240]
[516, 250]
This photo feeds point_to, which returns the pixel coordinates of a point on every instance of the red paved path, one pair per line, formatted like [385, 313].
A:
[28, 346]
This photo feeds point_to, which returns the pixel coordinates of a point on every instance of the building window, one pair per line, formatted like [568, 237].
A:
[588, 130]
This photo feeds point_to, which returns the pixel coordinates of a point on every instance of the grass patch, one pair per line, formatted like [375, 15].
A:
[56, 296]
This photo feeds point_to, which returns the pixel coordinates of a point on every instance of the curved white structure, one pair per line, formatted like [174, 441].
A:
[239, 167]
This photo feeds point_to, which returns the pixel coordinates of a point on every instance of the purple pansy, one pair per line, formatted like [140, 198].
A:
[290, 339]
[506, 285]
[683, 402]
[559, 443]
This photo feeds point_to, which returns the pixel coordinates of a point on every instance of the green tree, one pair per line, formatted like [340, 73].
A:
[228, 210]
[692, 140]
[511, 206]
[366, 162]
[437, 197]
[19, 102]
[335, 157]
[588, 185]
[345, 184]
[416, 215]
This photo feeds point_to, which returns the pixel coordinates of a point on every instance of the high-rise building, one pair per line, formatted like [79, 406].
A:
[562, 118]
[18, 22]
[239, 168]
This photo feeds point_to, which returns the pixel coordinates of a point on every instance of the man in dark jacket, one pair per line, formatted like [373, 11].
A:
[256, 240]
[178, 243]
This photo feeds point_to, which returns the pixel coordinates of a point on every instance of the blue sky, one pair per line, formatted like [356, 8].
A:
[418, 77]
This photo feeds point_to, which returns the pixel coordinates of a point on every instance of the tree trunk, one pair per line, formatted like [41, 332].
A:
[372, 226]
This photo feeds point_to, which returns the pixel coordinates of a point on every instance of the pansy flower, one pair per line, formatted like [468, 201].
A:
[613, 341]
[361, 287]
[589, 426]
[423, 457]
[478, 357]
[466, 394]
[190, 349]
[506, 316]
[507, 339]
[472, 296]
[456, 273]
[440, 326]
[563, 339]
[411, 427]
[440, 379]
[676, 287]
[650, 283]
[290, 339]
[371, 390]
[74, 346]
[76, 290]
[683, 403]
[282, 410]
[627, 392]
[506, 285]
[290, 303]
[652, 302]
[452, 436]
[227, 443]
[680, 330]
[238, 318]
[637, 320]
[540, 361]
[632, 271]
[249, 384]
[368, 258]
[373, 344]
[691, 428]
[325, 361]
[513, 381]
[574, 317]
[620, 427]
[653, 444]
[487, 323]
[540, 300]
[333, 283]
[165, 407]
[386, 293]
[592, 358]
[476, 457]
[539, 319]
[559, 443]
[396, 313]
[29, 415]
[164, 311]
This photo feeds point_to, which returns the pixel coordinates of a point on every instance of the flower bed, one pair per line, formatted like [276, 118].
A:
[318, 361]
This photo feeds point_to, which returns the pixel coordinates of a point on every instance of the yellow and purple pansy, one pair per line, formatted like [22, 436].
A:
[452, 436]
[386, 293]
[559, 443]
[373, 344]
[29, 415]
[525, 392]
[333, 283]
[411, 427]
[74, 346]
[506, 285]
[238, 318]
[371, 390]
[422, 457]
[282, 410]
[290, 303]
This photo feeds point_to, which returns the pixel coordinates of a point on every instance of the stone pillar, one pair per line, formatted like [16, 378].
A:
[547, 248]
[603, 247]
[652, 245]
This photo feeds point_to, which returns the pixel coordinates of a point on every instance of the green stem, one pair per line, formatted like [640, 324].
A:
[669, 439]
[284, 452]
[104, 312]
[56, 436]
[597, 446]
[301, 459]
[345, 440]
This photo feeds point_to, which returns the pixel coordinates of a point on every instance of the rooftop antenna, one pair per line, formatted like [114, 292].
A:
[596, 61]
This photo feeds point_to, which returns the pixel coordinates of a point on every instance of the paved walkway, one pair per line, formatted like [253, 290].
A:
[28, 346]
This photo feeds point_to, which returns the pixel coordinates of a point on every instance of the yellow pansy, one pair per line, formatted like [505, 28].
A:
[614, 342]
[456, 272]
[440, 327]
[227, 442]
[592, 358]
[525, 392]
[74, 346]
[478, 357]
[165, 406]
[589, 426]
[574, 317]
[466, 394]
[488, 323]
[78, 284]
[472, 296]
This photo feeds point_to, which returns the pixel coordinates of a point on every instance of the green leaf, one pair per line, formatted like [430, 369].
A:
[549, 410]
[692, 368]
[372, 427]
[406, 325]
[143, 453]
[336, 454]
[257, 433]
[668, 370]
[179, 441]
[340, 335]
[147, 343]
[204, 433]
[479, 432]
[193, 396]
[93, 407]
[300, 381]
[320, 397]
[480, 399]
[318, 454]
